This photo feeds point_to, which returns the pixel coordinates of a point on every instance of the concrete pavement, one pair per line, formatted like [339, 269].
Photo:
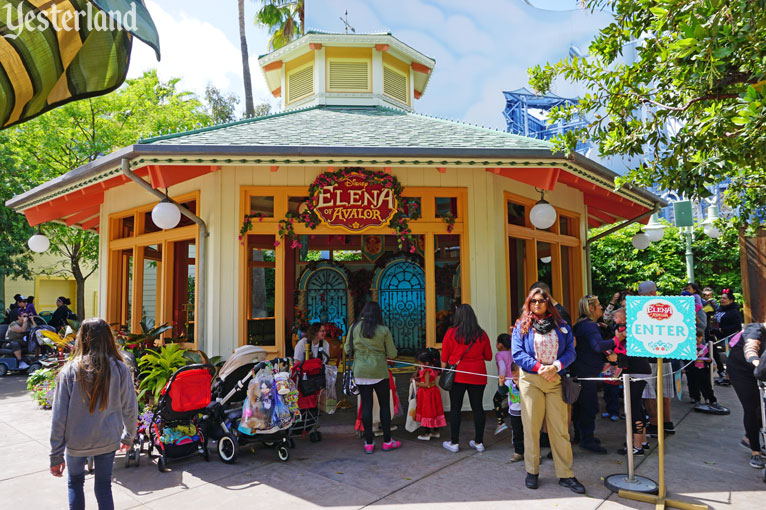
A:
[704, 464]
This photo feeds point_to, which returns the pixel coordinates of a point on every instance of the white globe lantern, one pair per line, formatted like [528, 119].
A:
[654, 230]
[708, 226]
[39, 243]
[542, 215]
[166, 215]
[640, 241]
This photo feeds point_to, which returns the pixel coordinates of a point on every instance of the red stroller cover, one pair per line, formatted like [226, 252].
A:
[309, 367]
[190, 390]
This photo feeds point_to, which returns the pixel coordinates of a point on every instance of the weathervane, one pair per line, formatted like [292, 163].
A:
[345, 22]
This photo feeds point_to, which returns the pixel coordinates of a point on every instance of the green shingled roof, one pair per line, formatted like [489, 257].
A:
[344, 126]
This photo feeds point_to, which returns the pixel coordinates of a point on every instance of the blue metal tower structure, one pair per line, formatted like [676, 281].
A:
[525, 115]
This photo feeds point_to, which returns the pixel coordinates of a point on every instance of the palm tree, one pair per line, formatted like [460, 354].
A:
[249, 107]
[284, 20]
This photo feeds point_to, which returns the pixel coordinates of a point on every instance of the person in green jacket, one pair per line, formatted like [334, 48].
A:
[371, 343]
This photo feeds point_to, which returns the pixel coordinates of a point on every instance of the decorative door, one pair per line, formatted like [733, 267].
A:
[326, 294]
[401, 287]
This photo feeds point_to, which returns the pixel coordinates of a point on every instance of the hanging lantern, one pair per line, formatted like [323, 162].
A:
[39, 243]
[166, 215]
[640, 241]
[655, 230]
[542, 215]
[709, 224]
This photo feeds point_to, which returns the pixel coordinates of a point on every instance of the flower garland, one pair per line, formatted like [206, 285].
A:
[449, 219]
[406, 209]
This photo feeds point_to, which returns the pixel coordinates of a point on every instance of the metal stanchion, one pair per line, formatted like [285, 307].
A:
[660, 501]
[629, 482]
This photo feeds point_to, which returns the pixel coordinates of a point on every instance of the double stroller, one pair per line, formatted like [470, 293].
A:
[36, 352]
[251, 403]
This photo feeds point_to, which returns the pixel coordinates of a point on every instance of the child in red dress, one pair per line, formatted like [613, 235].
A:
[430, 411]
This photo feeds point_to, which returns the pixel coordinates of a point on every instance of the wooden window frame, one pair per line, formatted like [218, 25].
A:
[117, 295]
[532, 236]
[428, 224]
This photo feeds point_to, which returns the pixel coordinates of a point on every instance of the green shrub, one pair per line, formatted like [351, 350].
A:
[157, 366]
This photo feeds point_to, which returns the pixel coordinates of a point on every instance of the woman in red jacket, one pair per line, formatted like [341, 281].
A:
[467, 345]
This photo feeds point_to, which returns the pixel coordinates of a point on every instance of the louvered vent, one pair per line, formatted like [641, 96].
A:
[349, 75]
[300, 84]
[395, 84]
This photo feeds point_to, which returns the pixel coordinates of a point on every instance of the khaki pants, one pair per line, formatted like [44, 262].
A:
[540, 400]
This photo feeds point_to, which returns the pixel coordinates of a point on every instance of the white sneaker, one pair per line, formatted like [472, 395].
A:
[479, 447]
[451, 447]
[436, 434]
[23, 365]
[500, 428]
[424, 437]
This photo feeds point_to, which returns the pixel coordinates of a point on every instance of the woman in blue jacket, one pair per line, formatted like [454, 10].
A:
[543, 346]
[591, 349]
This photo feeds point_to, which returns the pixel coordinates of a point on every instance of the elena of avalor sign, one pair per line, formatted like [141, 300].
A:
[355, 199]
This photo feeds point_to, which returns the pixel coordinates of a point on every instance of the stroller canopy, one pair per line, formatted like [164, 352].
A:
[245, 355]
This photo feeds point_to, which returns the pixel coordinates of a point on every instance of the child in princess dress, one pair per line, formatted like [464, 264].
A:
[430, 410]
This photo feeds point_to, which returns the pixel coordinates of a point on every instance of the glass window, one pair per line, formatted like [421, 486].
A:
[516, 214]
[126, 287]
[184, 289]
[263, 206]
[567, 276]
[545, 263]
[517, 262]
[294, 204]
[566, 225]
[347, 255]
[413, 207]
[445, 206]
[150, 227]
[261, 322]
[152, 285]
[447, 276]
[125, 227]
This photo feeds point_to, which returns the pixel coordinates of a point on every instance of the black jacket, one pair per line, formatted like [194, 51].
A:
[60, 316]
[729, 320]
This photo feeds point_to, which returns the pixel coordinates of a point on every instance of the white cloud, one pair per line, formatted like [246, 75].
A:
[199, 53]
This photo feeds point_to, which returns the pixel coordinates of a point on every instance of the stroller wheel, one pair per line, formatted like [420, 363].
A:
[161, 463]
[763, 475]
[315, 436]
[137, 455]
[90, 465]
[291, 442]
[283, 453]
[228, 449]
[128, 454]
[205, 452]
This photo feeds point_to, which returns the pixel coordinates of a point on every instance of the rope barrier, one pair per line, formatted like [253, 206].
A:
[577, 378]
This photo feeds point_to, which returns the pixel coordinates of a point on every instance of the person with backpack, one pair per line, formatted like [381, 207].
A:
[95, 413]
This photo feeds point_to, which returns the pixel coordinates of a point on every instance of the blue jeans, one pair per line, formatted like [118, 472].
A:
[103, 481]
[612, 399]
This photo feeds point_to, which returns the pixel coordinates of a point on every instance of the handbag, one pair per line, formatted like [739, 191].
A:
[570, 389]
[447, 376]
[411, 425]
[349, 384]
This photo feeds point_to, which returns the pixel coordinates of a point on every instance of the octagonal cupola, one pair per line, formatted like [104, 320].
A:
[348, 70]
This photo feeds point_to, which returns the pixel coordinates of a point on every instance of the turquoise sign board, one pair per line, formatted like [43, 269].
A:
[662, 327]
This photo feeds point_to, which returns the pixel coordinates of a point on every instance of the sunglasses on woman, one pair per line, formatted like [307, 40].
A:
[536, 301]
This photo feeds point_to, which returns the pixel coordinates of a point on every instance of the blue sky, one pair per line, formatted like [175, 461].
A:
[481, 47]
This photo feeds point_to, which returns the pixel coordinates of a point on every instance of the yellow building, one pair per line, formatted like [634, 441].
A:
[47, 282]
[348, 104]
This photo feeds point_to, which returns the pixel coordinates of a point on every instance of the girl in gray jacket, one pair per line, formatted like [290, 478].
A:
[94, 413]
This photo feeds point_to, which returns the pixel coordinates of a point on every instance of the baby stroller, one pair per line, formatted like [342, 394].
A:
[762, 390]
[309, 376]
[231, 390]
[175, 429]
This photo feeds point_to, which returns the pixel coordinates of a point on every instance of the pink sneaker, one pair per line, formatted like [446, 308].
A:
[369, 448]
[391, 445]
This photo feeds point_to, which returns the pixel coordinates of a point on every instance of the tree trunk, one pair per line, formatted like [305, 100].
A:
[80, 280]
[752, 253]
[249, 107]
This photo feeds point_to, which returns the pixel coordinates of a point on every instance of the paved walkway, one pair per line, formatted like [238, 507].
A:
[704, 464]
